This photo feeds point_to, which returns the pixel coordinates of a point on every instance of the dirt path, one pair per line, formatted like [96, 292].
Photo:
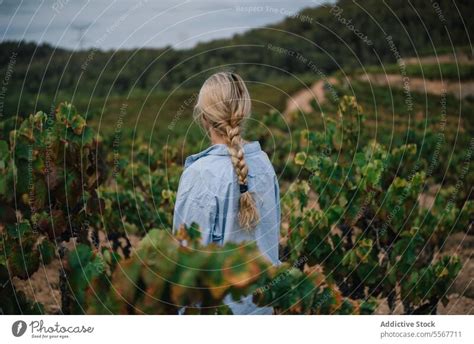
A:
[301, 100]
[460, 58]
[458, 89]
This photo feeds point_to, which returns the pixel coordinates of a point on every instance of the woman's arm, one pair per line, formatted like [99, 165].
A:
[195, 203]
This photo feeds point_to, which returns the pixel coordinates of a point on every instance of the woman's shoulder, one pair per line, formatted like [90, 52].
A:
[210, 170]
[215, 163]
[260, 163]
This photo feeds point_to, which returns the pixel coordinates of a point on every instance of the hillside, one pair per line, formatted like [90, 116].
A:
[315, 42]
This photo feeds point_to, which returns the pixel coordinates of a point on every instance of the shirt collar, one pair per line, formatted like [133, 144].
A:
[221, 149]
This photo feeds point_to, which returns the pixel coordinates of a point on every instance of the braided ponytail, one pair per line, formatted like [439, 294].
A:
[224, 104]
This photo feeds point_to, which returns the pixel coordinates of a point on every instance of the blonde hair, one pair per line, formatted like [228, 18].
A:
[224, 104]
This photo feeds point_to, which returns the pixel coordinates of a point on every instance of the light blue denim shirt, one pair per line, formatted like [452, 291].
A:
[208, 195]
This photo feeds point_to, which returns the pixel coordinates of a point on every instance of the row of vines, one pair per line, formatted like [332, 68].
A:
[354, 229]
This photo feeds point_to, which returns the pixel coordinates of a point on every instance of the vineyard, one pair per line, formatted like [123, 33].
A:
[363, 221]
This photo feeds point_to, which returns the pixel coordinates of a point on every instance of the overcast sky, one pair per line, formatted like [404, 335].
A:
[111, 24]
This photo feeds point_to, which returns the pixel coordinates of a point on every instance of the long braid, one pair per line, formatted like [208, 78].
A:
[248, 214]
[227, 121]
[237, 153]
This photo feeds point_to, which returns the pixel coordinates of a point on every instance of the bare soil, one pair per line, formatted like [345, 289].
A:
[301, 100]
[461, 293]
